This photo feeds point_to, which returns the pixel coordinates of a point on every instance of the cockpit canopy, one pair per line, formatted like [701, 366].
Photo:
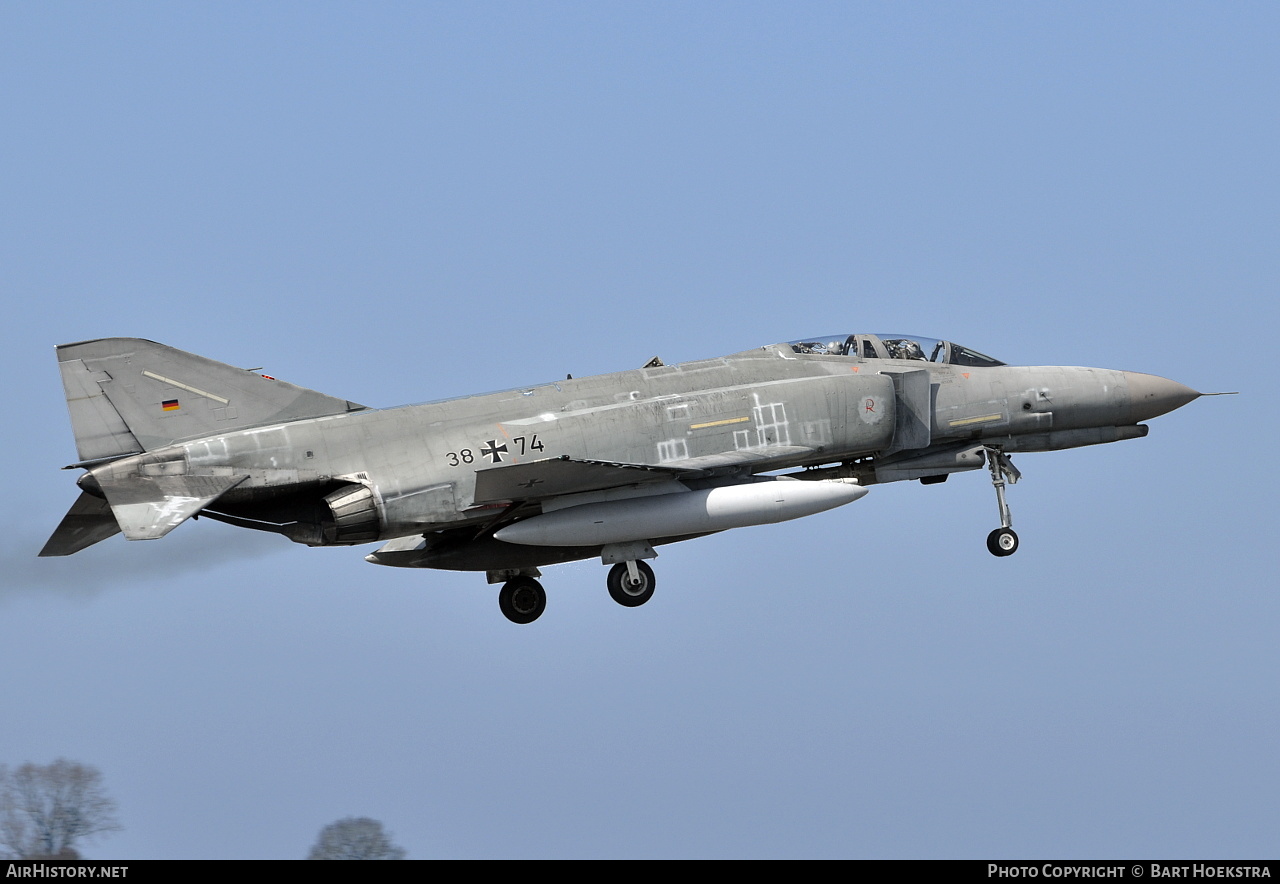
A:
[911, 347]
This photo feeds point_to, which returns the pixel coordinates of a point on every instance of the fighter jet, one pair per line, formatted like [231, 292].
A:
[606, 467]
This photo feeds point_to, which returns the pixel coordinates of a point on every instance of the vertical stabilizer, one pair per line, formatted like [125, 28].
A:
[128, 395]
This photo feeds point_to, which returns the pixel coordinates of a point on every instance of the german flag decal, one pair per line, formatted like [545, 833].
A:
[170, 405]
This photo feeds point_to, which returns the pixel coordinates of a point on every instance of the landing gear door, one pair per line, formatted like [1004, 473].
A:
[913, 426]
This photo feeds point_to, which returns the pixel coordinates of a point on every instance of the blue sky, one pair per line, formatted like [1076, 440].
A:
[404, 202]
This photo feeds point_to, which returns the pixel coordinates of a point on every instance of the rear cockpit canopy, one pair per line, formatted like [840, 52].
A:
[908, 347]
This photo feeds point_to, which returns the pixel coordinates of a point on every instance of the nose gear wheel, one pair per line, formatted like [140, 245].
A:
[1002, 541]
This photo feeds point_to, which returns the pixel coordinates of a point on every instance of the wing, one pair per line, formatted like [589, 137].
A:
[754, 460]
[514, 485]
[557, 476]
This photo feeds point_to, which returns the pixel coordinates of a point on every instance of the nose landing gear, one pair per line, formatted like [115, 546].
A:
[1002, 541]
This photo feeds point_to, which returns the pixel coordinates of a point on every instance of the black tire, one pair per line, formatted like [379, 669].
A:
[522, 599]
[1002, 542]
[622, 590]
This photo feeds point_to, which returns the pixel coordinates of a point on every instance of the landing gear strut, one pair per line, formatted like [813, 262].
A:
[522, 599]
[1002, 541]
[631, 583]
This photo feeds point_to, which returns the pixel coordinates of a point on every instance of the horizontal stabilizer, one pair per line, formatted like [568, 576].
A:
[88, 521]
[148, 507]
[540, 479]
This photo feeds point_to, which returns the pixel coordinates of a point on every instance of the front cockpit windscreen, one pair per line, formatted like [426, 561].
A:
[827, 345]
[907, 347]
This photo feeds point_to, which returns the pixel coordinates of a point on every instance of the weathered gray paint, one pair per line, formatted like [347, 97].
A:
[267, 451]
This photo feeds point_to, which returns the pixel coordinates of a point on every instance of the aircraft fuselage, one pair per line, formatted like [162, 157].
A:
[606, 466]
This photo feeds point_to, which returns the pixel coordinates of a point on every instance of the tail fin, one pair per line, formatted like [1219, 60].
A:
[127, 395]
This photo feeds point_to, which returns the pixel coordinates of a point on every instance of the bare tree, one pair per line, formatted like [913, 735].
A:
[46, 809]
[355, 838]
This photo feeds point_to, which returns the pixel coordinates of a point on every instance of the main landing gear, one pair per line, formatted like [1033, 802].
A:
[522, 599]
[1002, 541]
[631, 583]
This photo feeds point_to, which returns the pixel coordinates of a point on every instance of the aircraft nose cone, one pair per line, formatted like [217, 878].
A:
[1151, 396]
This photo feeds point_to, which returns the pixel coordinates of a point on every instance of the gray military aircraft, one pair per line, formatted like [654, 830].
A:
[608, 466]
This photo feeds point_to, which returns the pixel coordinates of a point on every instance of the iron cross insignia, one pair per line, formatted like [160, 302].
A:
[493, 451]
